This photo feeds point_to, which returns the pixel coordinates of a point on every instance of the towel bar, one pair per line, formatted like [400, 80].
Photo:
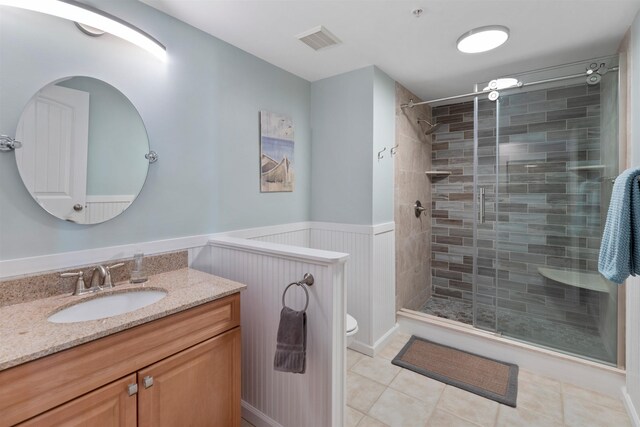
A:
[308, 280]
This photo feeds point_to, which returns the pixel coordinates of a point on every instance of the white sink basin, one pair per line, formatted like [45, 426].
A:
[107, 306]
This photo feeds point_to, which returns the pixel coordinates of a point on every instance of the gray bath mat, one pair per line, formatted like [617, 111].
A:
[485, 377]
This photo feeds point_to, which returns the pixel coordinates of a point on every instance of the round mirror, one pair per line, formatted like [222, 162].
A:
[83, 150]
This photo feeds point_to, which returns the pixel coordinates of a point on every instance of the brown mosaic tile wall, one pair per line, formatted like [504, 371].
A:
[548, 207]
[413, 245]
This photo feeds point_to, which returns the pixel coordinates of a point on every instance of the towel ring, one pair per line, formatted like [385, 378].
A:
[305, 291]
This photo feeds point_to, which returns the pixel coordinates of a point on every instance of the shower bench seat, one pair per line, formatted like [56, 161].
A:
[579, 279]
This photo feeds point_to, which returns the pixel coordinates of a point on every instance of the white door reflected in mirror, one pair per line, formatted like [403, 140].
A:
[53, 164]
[83, 154]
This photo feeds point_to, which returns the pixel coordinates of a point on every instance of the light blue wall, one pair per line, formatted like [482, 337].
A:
[342, 131]
[352, 119]
[200, 109]
[384, 135]
[117, 140]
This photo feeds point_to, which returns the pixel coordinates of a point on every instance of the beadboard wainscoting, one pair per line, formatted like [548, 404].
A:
[272, 398]
[370, 270]
[383, 293]
[102, 208]
[364, 268]
[370, 277]
[300, 238]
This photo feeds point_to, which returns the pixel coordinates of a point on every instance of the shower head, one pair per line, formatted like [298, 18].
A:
[432, 127]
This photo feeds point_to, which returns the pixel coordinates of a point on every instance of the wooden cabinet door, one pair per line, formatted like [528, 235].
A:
[108, 406]
[198, 387]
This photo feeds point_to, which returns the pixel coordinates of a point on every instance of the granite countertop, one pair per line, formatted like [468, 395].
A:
[25, 333]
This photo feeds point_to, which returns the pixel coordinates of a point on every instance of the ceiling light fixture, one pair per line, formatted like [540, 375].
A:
[87, 15]
[483, 39]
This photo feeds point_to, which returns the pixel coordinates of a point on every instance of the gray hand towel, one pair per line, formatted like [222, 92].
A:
[291, 347]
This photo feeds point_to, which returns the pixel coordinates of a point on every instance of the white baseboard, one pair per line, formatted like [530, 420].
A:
[382, 342]
[630, 407]
[256, 417]
[363, 348]
[371, 351]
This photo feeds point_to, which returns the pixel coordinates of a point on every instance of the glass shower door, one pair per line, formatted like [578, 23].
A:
[540, 217]
[485, 236]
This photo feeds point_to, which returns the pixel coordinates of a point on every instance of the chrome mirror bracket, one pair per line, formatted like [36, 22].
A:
[152, 156]
[9, 144]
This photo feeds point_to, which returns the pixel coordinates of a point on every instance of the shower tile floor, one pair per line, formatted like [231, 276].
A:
[459, 311]
[382, 394]
[569, 338]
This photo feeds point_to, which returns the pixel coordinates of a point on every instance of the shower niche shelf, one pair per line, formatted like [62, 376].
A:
[438, 173]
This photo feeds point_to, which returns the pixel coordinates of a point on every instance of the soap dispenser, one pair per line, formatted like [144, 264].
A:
[137, 274]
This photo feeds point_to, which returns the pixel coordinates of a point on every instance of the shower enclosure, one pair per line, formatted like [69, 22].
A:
[520, 186]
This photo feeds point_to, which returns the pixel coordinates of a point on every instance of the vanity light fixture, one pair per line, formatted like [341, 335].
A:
[87, 15]
[483, 39]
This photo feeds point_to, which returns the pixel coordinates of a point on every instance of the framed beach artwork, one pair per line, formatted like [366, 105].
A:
[276, 153]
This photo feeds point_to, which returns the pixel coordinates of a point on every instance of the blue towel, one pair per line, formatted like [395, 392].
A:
[620, 248]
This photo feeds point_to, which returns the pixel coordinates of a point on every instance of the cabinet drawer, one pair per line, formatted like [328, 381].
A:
[35, 387]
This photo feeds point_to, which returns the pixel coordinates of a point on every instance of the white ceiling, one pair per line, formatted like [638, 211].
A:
[420, 52]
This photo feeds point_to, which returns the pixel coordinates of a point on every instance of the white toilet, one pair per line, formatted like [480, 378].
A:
[352, 329]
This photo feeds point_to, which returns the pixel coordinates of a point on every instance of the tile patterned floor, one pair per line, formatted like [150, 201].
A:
[557, 335]
[382, 394]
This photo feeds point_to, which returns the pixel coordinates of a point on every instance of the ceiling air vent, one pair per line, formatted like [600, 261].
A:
[318, 38]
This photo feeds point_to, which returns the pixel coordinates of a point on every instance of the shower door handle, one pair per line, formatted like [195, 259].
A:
[482, 207]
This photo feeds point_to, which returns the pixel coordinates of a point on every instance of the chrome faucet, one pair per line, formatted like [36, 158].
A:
[100, 279]
[97, 278]
[97, 275]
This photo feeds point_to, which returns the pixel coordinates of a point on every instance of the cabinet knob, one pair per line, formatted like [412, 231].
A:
[77, 207]
[132, 389]
[147, 381]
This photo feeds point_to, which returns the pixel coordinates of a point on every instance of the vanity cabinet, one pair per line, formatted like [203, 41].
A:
[189, 380]
[110, 405]
[186, 367]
